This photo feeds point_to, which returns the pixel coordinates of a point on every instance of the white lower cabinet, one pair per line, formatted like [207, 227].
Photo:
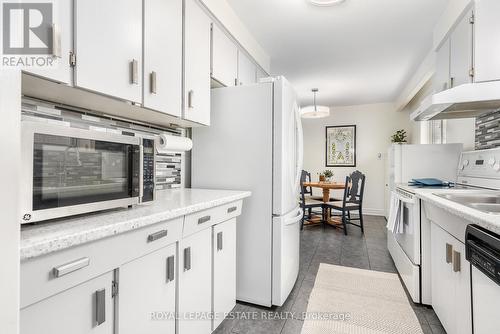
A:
[147, 295]
[224, 270]
[195, 283]
[451, 298]
[86, 308]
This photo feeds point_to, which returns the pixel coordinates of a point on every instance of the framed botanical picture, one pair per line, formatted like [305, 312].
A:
[341, 146]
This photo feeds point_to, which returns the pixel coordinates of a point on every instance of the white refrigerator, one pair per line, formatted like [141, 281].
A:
[254, 143]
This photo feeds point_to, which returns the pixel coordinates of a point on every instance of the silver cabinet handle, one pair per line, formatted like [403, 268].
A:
[170, 268]
[100, 307]
[452, 82]
[70, 267]
[219, 241]
[232, 209]
[56, 41]
[157, 235]
[203, 220]
[187, 259]
[449, 251]
[153, 82]
[191, 99]
[456, 262]
[134, 70]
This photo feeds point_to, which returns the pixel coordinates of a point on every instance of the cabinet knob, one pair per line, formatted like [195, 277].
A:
[157, 235]
[153, 82]
[449, 252]
[134, 72]
[187, 259]
[219, 241]
[56, 41]
[70, 267]
[203, 220]
[170, 268]
[191, 99]
[456, 262]
[100, 307]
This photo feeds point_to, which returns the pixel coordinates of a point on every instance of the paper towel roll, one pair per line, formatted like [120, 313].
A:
[166, 143]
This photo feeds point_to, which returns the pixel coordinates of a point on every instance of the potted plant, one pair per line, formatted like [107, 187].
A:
[328, 175]
[399, 137]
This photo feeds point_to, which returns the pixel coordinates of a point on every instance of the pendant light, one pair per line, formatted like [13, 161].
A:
[315, 111]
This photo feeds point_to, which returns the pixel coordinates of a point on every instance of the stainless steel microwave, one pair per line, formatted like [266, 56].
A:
[68, 171]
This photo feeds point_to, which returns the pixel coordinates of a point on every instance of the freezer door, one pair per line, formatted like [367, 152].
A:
[286, 254]
[287, 148]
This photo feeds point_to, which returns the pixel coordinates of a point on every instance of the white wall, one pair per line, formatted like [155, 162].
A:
[226, 15]
[375, 124]
[10, 149]
[461, 131]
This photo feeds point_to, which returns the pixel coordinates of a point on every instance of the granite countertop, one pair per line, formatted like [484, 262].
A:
[486, 220]
[44, 238]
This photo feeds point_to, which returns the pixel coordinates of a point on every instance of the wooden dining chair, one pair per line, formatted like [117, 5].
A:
[307, 203]
[352, 201]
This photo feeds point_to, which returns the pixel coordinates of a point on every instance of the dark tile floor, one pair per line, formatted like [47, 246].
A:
[318, 245]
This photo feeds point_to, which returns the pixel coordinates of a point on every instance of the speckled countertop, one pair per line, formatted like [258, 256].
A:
[486, 220]
[44, 238]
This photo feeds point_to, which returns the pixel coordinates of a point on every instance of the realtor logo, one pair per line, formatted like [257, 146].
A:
[27, 34]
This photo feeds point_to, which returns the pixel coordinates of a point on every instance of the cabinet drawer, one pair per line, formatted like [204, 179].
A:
[48, 275]
[206, 218]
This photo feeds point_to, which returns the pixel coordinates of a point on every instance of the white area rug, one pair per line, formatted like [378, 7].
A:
[356, 301]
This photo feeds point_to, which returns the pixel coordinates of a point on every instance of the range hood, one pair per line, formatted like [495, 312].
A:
[464, 101]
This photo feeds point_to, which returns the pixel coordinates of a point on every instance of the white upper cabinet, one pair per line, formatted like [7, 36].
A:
[62, 39]
[108, 47]
[224, 58]
[162, 88]
[197, 63]
[247, 71]
[261, 74]
[441, 80]
[461, 40]
[487, 40]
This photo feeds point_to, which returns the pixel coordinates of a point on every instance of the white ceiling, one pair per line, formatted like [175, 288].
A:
[361, 51]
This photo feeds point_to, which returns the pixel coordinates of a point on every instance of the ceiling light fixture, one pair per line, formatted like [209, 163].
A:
[325, 3]
[315, 111]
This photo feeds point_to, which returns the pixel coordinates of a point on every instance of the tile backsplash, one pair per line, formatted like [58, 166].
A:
[488, 131]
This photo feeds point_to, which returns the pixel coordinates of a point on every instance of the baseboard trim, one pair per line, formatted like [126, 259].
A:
[373, 212]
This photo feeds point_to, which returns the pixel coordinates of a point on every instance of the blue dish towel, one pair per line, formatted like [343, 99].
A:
[428, 182]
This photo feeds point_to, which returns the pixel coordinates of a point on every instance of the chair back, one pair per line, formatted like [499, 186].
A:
[305, 177]
[354, 188]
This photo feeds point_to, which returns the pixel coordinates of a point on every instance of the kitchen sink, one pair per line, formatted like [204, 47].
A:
[488, 203]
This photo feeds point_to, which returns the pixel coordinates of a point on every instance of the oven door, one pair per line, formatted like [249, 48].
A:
[68, 171]
[409, 240]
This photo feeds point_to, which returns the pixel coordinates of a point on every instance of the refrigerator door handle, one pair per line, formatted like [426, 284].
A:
[295, 219]
[300, 146]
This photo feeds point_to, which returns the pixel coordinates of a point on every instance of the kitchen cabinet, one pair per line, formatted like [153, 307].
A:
[224, 269]
[85, 308]
[108, 47]
[450, 282]
[247, 71]
[487, 40]
[224, 58]
[147, 296]
[62, 40]
[162, 88]
[197, 31]
[441, 80]
[261, 74]
[195, 283]
[461, 41]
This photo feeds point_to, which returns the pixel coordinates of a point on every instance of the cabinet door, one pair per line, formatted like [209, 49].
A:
[224, 58]
[443, 284]
[86, 308]
[147, 293]
[461, 52]
[247, 71]
[163, 56]
[487, 40]
[461, 273]
[224, 269]
[441, 79]
[195, 283]
[108, 47]
[62, 39]
[197, 63]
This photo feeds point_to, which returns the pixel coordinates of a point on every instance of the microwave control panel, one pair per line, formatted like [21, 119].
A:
[148, 167]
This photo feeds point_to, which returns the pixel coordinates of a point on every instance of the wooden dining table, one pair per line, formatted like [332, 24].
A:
[326, 187]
